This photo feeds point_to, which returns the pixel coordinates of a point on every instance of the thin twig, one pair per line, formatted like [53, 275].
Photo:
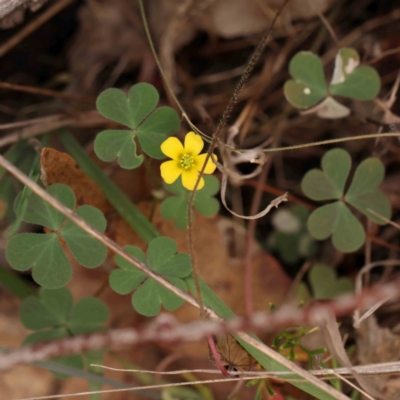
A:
[88, 119]
[82, 345]
[166, 329]
[370, 369]
[47, 92]
[216, 137]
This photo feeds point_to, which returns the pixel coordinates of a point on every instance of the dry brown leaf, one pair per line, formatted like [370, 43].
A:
[233, 356]
[59, 167]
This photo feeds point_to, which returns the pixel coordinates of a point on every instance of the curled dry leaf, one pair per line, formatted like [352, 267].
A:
[59, 167]
[233, 356]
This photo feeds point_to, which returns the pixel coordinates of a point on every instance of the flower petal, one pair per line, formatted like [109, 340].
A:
[189, 179]
[170, 171]
[193, 144]
[172, 148]
[210, 167]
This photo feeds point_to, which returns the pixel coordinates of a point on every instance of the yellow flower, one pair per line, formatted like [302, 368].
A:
[186, 161]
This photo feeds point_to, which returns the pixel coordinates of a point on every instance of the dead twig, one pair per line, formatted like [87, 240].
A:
[166, 329]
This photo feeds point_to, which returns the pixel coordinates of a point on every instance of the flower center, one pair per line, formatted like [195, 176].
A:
[186, 161]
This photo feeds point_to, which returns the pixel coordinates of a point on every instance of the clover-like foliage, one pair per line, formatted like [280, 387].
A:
[308, 86]
[290, 238]
[53, 315]
[176, 206]
[148, 294]
[43, 252]
[138, 112]
[335, 219]
[324, 284]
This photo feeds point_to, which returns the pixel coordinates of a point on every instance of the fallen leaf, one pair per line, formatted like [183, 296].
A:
[59, 167]
[233, 356]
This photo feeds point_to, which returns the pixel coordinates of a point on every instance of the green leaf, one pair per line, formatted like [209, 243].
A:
[375, 200]
[15, 283]
[88, 315]
[363, 83]
[136, 112]
[146, 300]
[143, 99]
[128, 277]
[176, 207]
[43, 252]
[149, 296]
[113, 104]
[88, 251]
[337, 220]
[169, 300]
[204, 203]
[363, 193]
[308, 85]
[302, 293]
[73, 361]
[46, 336]
[369, 175]
[329, 183]
[40, 212]
[50, 309]
[131, 110]
[163, 122]
[325, 284]
[160, 251]
[351, 80]
[179, 266]
[113, 144]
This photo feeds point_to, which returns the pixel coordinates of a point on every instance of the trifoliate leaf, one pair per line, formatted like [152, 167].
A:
[53, 316]
[149, 295]
[136, 111]
[43, 252]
